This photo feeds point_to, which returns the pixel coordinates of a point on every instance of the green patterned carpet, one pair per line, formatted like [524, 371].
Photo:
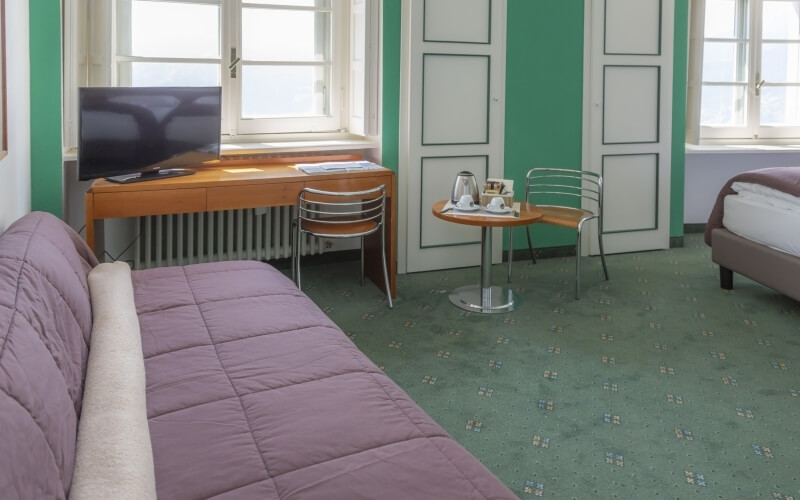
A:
[656, 383]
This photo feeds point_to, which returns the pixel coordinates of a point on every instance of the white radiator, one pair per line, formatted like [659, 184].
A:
[256, 234]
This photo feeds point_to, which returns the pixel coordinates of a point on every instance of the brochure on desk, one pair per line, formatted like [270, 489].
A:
[332, 167]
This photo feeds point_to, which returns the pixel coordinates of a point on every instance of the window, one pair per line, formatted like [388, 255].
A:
[749, 62]
[286, 66]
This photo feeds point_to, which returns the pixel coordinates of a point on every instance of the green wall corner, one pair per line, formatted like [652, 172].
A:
[679, 79]
[390, 109]
[45, 107]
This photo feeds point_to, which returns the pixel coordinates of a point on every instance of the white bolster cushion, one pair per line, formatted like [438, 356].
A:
[114, 457]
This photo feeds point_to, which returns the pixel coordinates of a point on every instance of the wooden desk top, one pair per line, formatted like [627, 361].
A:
[222, 175]
[528, 214]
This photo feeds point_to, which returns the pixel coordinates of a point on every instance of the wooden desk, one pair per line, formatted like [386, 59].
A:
[237, 186]
[485, 298]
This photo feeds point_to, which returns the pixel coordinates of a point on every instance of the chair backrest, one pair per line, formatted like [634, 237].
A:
[565, 187]
[339, 214]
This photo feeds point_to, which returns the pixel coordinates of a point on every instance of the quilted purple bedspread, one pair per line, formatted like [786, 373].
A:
[252, 391]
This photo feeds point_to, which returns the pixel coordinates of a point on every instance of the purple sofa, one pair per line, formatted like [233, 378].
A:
[251, 391]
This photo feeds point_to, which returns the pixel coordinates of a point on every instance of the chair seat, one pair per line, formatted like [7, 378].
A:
[563, 216]
[341, 227]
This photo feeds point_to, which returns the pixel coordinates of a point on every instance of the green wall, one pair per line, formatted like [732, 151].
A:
[45, 106]
[544, 96]
[679, 79]
[390, 114]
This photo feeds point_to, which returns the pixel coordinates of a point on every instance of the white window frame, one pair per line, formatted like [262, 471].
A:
[356, 80]
[751, 132]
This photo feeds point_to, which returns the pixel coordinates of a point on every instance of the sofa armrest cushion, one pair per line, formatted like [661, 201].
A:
[114, 457]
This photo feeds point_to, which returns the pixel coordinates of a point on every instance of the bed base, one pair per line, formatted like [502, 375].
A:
[772, 268]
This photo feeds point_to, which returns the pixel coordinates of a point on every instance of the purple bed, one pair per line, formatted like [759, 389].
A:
[251, 390]
[773, 268]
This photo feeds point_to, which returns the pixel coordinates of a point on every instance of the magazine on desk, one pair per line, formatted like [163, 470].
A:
[331, 167]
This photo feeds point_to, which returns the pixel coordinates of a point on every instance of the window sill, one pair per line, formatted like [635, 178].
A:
[741, 148]
[275, 148]
[270, 148]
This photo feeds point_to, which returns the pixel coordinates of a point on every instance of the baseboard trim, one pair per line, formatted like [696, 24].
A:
[694, 228]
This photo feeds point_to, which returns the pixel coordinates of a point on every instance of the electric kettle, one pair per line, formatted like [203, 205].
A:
[465, 183]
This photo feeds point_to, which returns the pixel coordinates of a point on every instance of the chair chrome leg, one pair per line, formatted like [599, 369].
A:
[602, 254]
[293, 244]
[385, 270]
[297, 258]
[362, 261]
[510, 251]
[578, 265]
[530, 244]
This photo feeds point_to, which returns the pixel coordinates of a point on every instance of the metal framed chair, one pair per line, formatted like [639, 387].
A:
[338, 215]
[569, 199]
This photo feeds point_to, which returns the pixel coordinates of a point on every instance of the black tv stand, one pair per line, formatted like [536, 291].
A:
[150, 176]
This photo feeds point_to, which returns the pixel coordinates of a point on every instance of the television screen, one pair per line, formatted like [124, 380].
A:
[129, 134]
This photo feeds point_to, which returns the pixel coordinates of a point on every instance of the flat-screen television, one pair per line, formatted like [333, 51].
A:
[130, 134]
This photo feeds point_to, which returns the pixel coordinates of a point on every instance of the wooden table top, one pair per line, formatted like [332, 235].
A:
[528, 214]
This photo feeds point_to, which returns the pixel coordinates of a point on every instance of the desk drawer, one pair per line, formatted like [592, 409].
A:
[162, 201]
[353, 184]
[253, 195]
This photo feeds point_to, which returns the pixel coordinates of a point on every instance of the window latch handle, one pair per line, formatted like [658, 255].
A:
[758, 86]
[234, 61]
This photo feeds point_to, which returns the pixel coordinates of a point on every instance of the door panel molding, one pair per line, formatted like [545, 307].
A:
[440, 26]
[628, 120]
[437, 175]
[631, 104]
[452, 102]
[455, 99]
[641, 38]
[616, 175]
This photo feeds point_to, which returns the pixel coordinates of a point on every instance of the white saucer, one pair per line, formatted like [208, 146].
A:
[503, 210]
[467, 209]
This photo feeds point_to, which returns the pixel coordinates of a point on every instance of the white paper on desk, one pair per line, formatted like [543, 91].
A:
[336, 166]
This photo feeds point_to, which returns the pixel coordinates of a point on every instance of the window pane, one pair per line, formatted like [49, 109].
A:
[780, 106]
[294, 3]
[284, 91]
[780, 62]
[168, 29]
[726, 19]
[170, 74]
[781, 21]
[723, 105]
[725, 62]
[286, 35]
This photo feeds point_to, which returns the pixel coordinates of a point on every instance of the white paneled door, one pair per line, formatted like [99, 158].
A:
[452, 120]
[628, 119]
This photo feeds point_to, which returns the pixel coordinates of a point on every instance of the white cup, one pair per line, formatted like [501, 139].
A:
[465, 201]
[497, 204]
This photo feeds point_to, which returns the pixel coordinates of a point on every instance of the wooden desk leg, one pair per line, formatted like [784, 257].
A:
[95, 234]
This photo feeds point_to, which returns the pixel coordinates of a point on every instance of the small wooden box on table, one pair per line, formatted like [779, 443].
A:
[242, 184]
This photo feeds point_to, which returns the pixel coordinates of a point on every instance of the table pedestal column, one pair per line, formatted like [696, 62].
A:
[485, 298]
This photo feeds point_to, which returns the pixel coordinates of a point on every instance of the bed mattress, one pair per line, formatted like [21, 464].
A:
[763, 223]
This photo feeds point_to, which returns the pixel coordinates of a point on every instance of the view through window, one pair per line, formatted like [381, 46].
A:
[751, 69]
[280, 62]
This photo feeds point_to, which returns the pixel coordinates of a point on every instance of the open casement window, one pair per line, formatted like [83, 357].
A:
[289, 67]
[747, 69]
